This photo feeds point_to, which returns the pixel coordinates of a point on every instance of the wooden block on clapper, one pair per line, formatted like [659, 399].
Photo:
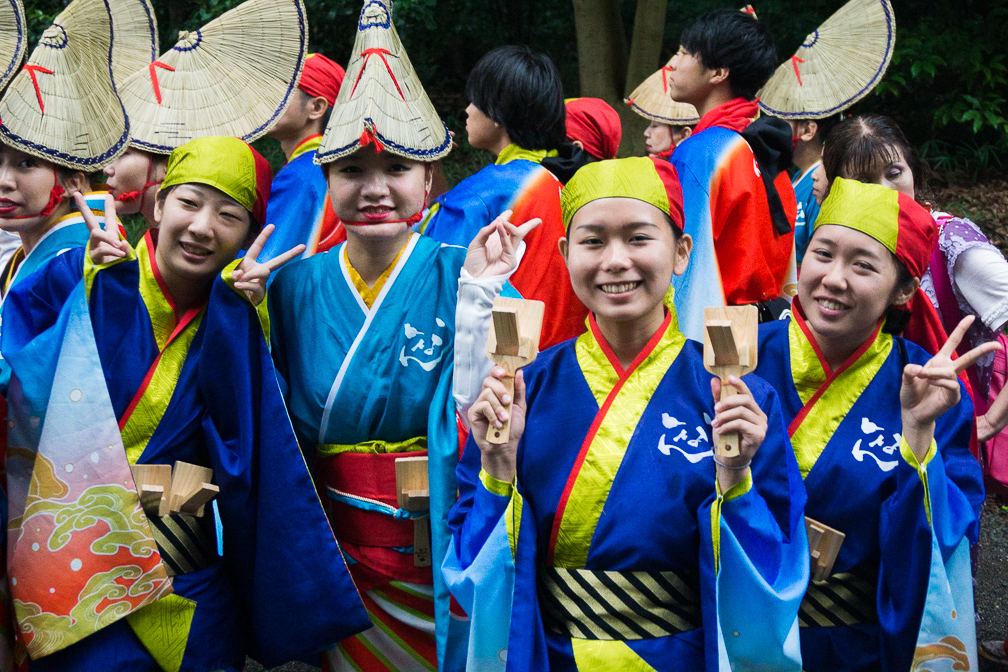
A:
[413, 494]
[153, 484]
[513, 342]
[730, 349]
[190, 481]
[824, 546]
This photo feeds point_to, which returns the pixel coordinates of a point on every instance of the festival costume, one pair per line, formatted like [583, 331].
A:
[808, 209]
[900, 594]
[205, 393]
[369, 379]
[518, 182]
[299, 205]
[740, 253]
[595, 581]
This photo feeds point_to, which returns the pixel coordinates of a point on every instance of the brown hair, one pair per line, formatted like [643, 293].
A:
[859, 146]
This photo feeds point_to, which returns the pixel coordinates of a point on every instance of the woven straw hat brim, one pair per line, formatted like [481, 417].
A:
[382, 94]
[73, 118]
[234, 76]
[651, 101]
[838, 65]
[135, 37]
[13, 39]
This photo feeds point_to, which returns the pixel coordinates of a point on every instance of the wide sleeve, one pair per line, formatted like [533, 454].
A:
[981, 276]
[932, 513]
[755, 559]
[281, 553]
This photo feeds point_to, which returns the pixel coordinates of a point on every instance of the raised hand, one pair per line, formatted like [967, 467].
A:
[930, 390]
[737, 413]
[104, 245]
[492, 251]
[498, 459]
[251, 276]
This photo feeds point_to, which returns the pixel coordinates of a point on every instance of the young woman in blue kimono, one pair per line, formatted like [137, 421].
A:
[364, 337]
[881, 431]
[631, 544]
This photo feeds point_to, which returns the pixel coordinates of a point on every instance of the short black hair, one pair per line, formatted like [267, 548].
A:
[521, 90]
[729, 38]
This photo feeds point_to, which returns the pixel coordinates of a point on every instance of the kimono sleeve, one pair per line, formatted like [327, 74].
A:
[754, 557]
[934, 503]
[281, 552]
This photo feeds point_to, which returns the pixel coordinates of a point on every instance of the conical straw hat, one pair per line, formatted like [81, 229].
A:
[838, 64]
[233, 77]
[381, 100]
[651, 101]
[13, 39]
[135, 42]
[62, 106]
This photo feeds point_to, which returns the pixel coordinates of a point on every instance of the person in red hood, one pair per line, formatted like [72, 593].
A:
[299, 204]
[739, 203]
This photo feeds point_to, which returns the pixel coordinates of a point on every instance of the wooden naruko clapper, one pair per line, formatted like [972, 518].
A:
[513, 342]
[163, 492]
[824, 544]
[730, 349]
[413, 495]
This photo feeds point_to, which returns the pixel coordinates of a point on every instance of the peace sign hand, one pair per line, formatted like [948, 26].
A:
[492, 251]
[251, 276]
[104, 245]
[929, 391]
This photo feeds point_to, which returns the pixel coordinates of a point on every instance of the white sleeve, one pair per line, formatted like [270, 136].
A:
[981, 276]
[473, 316]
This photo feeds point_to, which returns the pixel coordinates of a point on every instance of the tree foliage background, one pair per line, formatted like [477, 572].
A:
[947, 84]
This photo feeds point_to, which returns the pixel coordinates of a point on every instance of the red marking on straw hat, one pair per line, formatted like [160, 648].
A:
[795, 60]
[38, 92]
[154, 79]
[367, 54]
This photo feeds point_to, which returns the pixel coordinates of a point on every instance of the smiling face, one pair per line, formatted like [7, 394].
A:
[25, 185]
[201, 231]
[658, 137]
[848, 280]
[621, 254]
[374, 189]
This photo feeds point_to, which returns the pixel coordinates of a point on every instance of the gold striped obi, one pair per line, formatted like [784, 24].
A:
[619, 605]
[186, 543]
[845, 598]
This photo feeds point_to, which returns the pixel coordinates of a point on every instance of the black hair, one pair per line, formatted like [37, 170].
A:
[897, 317]
[824, 126]
[729, 38]
[860, 146]
[521, 90]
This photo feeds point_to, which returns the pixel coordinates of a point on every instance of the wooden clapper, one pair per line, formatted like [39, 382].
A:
[824, 545]
[513, 342]
[730, 349]
[162, 492]
[413, 495]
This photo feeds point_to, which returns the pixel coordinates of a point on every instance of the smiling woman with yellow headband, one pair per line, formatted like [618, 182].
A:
[164, 358]
[881, 430]
[632, 546]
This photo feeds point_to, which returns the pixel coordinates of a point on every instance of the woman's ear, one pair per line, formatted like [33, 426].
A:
[76, 181]
[562, 245]
[428, 178]
[684, 246]
[158, 207]
[905, 292]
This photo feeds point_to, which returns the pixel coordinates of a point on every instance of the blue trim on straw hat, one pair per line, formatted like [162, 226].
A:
[421, 154]
[16, 58]
[865, 90]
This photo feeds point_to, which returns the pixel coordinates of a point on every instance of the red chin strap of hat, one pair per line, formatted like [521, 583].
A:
[409, 221]
[55, 196]
[142, 193]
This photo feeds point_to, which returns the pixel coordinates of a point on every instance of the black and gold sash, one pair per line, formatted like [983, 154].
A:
[613, 605]
[845, 598]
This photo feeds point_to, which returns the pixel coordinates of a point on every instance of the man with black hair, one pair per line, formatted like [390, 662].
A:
[739, 204]
[299, 205]
[516, 112]
[808, 138]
